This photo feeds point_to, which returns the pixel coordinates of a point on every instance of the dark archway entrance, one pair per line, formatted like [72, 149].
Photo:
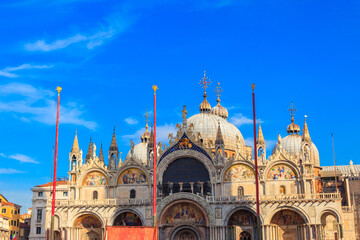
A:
[186, 175]
[127, 219]
[242, 225]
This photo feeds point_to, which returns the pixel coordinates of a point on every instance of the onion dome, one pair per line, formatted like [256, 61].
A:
[140, 153]
[205, 106]
[145, 137]
[206, 125]
[293, 127]
[218, 109]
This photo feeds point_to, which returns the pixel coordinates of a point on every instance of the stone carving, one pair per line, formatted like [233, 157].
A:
[184, 143]
[171, 139]
[184, 112]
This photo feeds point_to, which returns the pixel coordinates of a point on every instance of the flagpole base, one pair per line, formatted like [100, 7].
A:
[52, 228]
[154, 223]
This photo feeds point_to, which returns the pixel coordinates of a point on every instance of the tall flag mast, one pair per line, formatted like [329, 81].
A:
[58, 89]
[154, 162]
[256, 169]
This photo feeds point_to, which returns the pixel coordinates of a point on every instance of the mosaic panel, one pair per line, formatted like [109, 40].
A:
[132, 176]
[184, 212]
[287, 217]
[281, 172]
[95, 179]
[242, 218]
[238, 173]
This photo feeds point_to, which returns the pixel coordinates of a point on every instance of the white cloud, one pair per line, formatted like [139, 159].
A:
[239, 119]
[7, 72]
[9, 171]
[36, 104]
[116, 23]
[162, 133]
[23, 158]
[131, 121]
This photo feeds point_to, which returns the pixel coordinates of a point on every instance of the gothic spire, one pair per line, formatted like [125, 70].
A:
[113, 146]
[101, 154]
[219, 137]
[75, 147]
[89, 152]
[260, 137]
[306, 134]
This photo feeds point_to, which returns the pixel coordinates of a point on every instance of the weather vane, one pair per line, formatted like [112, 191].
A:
[292, 111]
[205, 82]
[218, 90]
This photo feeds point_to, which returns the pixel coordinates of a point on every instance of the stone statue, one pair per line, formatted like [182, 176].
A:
[184, 112]
[132, 145]
[94, 151]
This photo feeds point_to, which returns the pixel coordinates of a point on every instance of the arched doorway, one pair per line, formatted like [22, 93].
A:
[57, 235]
[186, 234]
[186, 175]
[127, 219]
[329, 226]
[87, 227]
[91, 236]
[242, 224]
[290, 225]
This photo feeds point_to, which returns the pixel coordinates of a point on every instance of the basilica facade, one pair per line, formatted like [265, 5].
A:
[205, 187]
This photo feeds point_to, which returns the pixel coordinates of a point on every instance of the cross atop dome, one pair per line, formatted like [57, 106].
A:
[205, 82]
[147, 115]
[292, 111]
[218, 90]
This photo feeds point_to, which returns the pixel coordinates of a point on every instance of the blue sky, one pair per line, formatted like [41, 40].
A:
[106, 55]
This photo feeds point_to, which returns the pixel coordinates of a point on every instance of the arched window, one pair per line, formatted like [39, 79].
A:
[95, 195]
[132, 193]
[282, 190]
[240, 191]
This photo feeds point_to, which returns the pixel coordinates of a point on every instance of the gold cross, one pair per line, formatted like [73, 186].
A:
[218, 90]
[292, 110]
[146, 116]
[204, 82]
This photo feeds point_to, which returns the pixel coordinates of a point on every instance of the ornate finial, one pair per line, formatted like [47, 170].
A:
[147, 116]
[154, 87]
[205, 82]
[305, 116]
[58, 89]
[259, 121]
[253, 86]
[218, 90]
[114, 128]
[292, 111]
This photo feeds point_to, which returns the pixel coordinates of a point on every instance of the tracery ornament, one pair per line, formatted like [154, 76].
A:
[132, 176]
[95, 179]
[239, 172]
[281, 172]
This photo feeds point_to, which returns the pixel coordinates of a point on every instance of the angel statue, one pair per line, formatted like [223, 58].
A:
[184, 112]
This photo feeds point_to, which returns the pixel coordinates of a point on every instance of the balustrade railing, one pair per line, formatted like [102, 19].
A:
[98, 202]
[276, 198]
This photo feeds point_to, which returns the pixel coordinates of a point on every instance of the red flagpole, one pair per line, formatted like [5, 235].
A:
[256, 168]
[154, 162]
[58, 89]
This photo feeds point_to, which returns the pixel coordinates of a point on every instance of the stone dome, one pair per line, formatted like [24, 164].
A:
[207, 125]
[220, 111]
[292, 144]
[140, 153]
[293, 128]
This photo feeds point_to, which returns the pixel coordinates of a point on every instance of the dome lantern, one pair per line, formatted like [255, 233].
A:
[205, 106]
[218, 109]
[293, 128]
